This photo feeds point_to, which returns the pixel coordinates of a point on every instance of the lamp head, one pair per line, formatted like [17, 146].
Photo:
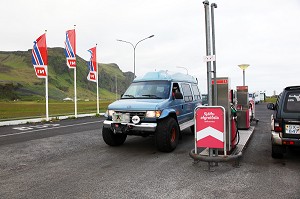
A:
[244, 66]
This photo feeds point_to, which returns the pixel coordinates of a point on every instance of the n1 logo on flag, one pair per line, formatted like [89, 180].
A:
[92, 76]
[40, 71]
[71, 62]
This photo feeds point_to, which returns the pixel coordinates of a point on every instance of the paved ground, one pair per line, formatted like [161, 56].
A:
[76, 163]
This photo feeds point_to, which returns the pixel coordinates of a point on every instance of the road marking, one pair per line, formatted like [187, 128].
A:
[55, 127]
[25, 128]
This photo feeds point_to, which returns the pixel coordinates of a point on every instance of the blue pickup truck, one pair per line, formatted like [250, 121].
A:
[159, 104]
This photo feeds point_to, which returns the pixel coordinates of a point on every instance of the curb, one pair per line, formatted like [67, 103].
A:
[36, 120]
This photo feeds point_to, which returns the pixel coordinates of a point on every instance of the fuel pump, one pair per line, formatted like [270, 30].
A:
[243, 107]
[226, 97]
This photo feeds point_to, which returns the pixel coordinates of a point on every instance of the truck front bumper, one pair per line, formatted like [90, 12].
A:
[149, 127]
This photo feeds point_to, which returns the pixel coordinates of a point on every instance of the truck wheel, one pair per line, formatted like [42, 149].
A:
[167, 135]
[112, 139]
[277, 151]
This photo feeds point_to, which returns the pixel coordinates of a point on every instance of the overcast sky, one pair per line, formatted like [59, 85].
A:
[262, 33]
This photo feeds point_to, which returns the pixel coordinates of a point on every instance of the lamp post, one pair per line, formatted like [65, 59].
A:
[134, 47]
[244, 67]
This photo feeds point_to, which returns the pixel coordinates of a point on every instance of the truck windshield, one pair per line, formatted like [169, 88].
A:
[148, 89]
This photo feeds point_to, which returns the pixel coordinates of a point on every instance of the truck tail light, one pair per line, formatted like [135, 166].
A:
[277, 127]
[288, 142]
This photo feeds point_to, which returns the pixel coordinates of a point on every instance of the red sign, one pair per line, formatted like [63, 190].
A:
[40, 71]
[242, 88]
[220, 81]
[71, 62]
[210, 126]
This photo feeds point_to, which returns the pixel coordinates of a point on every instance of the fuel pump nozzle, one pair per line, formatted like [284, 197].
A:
[233, 111]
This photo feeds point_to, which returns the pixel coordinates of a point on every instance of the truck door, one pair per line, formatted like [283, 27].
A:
[177, 104]
[188, 108]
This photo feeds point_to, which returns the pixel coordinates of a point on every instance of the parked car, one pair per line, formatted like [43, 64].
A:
[285, 121]
[158, 104]
[204, 99]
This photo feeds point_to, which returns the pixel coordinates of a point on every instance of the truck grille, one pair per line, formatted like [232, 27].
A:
[141, 114]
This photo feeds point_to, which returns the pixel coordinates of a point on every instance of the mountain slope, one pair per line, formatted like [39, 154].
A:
[18, 79]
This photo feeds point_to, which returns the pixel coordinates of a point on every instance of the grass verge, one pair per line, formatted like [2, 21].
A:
[27, 109]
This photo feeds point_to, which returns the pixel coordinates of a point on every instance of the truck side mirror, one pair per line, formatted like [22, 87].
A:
[271, 106]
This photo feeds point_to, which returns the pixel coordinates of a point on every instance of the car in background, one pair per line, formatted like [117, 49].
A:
[285, 121]
[159, 104]
[204, 99]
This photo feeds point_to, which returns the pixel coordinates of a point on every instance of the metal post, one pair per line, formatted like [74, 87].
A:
[47, 92]
[75, 91]
[214, 5]
[208, 51]
[97, 83]
[243, 77]
[244, 67]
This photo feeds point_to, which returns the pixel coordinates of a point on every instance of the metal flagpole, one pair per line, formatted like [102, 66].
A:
[47, 107]
[75, 92]
[97, 82]
[46, 84]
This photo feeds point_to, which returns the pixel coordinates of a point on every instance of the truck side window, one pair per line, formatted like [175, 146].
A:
[196, 92]
[187, 92]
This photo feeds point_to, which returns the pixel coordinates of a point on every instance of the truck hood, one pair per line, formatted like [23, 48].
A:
[137, 104]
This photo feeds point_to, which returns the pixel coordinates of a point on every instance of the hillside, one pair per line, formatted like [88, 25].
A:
[18, 79]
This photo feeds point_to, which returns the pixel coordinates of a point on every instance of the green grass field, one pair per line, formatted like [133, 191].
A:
[22, 110]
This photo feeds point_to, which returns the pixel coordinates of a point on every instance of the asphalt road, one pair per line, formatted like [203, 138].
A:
[68, 159]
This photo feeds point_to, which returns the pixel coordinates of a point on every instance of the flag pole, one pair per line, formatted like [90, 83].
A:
[46, 95]
[75, 91]
[97, 83]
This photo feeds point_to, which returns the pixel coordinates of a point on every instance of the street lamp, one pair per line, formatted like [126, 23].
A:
[243, 67]
[134, 47]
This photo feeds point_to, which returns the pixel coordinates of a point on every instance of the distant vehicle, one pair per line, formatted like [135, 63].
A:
[204, 99]
[259, 97]
[285, 121]
[159, 104]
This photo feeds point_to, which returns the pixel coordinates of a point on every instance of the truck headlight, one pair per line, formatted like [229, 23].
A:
[110, 112]
[153, 114]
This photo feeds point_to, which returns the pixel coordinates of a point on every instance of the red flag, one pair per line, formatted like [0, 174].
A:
[40, 56]
[70, 48]
[92, 64]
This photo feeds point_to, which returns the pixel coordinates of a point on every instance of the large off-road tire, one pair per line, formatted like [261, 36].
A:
[277, 151]
[112, 139]
[167, 135]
